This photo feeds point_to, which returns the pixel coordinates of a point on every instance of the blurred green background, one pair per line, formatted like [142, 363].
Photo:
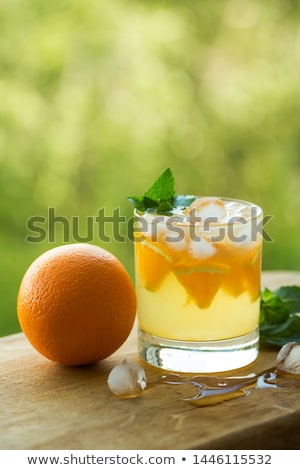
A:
[97, 98]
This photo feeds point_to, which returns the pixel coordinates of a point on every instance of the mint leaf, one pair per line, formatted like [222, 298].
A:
[278, 335]
[160, 196]
[273, 309]
[138, 202]
[290, 296]
[280, 315]
[183, 201]
[163, 188]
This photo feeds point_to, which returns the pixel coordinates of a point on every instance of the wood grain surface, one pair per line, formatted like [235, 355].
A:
[48, 406]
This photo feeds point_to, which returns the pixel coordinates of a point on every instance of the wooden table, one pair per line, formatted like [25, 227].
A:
[48, 406]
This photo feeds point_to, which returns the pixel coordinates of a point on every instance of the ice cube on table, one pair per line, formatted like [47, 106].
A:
[207, 207]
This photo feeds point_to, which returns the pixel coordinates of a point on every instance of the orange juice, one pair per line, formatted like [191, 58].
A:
[198, 284]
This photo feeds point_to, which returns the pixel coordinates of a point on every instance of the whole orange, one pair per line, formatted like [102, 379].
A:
[76, 304]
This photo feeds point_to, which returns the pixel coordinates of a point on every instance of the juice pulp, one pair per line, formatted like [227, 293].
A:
[204, 284]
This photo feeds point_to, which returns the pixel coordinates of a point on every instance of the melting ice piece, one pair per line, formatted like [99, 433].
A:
[201, 248]
[288, 358]
[244, 234]
[154, 225]
[176, 235]
[175, 243]
[127, 380]
[205, 207]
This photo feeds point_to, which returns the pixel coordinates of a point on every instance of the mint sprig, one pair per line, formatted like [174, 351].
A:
[160, 196]
[280, 316]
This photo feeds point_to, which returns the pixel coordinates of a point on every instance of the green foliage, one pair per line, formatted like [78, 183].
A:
[98, 97]
[280, 316]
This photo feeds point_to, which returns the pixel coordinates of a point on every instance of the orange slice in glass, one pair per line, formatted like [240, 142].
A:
[252, 275]
[201, 284]
[234, 281]
[152, 264]
[244, 274]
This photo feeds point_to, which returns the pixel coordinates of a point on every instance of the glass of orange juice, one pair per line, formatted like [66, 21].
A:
[198, 273]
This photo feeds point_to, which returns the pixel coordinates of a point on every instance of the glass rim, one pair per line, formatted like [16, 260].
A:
[232, 220]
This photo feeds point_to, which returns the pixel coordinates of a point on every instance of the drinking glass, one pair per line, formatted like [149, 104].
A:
[197, 275]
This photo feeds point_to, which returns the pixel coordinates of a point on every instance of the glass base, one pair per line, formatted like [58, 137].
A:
[199, 356]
